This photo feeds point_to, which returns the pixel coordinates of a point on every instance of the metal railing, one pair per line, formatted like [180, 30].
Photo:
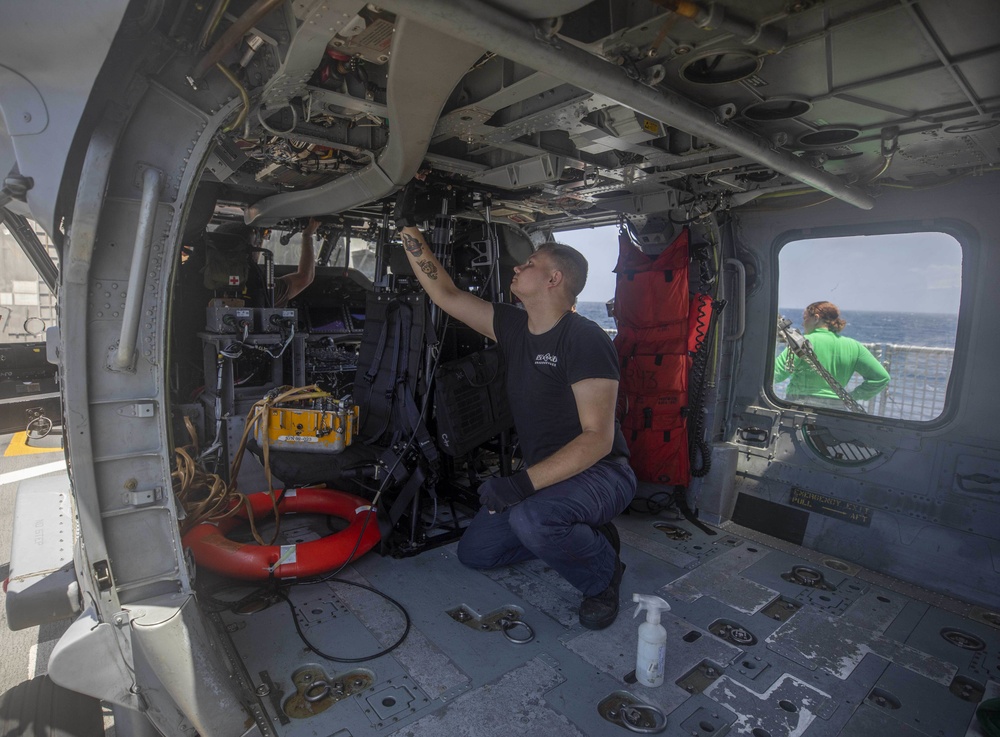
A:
[919, 383]
[918, 386]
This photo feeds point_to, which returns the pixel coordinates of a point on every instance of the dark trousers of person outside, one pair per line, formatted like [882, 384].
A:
[556, 525]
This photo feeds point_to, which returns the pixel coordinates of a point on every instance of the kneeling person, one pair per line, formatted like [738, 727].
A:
[562, 383]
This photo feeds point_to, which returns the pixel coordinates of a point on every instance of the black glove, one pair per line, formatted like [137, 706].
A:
[499, 492]
[405, 205]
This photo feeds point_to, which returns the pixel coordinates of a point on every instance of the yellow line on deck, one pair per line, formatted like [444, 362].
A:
[19, 446]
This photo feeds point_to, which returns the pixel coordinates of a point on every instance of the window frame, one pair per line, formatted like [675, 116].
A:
[44, 293]
[968, 240]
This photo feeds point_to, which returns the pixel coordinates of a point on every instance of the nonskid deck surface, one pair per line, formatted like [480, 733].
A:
[763, 639]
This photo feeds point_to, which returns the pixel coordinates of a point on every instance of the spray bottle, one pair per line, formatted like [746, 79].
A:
[652, 651]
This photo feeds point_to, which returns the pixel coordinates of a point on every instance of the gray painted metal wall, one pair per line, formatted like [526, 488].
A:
[924, 527]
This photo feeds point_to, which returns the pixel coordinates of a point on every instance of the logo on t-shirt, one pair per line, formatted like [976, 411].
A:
[546, 359]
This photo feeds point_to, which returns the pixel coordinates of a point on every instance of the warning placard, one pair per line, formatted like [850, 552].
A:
[853, 512]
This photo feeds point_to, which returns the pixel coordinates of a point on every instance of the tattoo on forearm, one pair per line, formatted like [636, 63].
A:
[428, 268]
[412, 245]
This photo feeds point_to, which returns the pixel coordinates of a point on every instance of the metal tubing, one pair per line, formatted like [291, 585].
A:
[218, 10]
[233, 35]
[493, 243]
[243, 96]
[741, 297]
[517, 40]
[152, 185]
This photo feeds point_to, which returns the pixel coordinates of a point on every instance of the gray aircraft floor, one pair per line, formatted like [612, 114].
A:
[763, 639]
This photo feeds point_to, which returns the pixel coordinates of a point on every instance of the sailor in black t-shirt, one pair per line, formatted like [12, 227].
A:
[562, 382]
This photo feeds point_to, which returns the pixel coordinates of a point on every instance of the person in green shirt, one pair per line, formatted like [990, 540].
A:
[838, 354]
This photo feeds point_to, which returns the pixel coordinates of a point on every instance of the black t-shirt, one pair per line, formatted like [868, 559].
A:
[541, 370]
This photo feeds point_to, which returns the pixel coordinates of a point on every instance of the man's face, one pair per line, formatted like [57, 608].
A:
[532, 276]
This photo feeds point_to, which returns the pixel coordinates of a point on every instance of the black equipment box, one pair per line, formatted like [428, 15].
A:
[470, 401]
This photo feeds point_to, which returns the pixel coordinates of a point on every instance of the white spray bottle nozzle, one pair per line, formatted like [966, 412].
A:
[653, 606]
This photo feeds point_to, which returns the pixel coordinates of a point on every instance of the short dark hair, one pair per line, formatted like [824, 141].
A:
[570, 262]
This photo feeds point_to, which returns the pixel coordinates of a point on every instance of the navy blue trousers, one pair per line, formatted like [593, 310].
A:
[556, 525]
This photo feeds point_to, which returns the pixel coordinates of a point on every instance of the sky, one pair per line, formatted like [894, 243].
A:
[600, 247]
[913, 272]
[909, 272]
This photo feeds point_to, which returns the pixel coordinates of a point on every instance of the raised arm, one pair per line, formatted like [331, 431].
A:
[475, 312]
[306, 272]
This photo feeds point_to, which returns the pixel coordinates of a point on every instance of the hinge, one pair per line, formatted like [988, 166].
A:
[139, 409]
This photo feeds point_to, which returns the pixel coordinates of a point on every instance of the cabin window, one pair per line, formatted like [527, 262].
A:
[27, 307]
[600, 247]
[29, 389]
[355, 252]
[898, 296]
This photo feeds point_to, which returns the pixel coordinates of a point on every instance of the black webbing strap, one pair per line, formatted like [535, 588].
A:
[372, 371]
[379, 407]
[400, 348]
[402, 501]
[369, 408]
[422, 436]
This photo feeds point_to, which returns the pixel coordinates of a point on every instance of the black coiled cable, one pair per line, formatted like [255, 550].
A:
[699, 451]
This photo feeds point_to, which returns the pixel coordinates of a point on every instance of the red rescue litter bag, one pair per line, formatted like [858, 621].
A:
[655, 375]
[651, 291]
[657, 439]
[671, 338]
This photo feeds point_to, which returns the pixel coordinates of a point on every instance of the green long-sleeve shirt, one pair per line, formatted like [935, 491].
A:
[842, 357]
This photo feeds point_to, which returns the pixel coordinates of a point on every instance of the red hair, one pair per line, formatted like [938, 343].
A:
[828, 314]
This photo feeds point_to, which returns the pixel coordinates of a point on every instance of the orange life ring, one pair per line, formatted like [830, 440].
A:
[251, 561]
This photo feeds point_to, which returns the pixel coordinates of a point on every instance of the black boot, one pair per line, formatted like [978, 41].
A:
[598, 612]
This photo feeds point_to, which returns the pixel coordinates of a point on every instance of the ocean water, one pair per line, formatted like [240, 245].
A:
[901, 328]
[597, 312]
